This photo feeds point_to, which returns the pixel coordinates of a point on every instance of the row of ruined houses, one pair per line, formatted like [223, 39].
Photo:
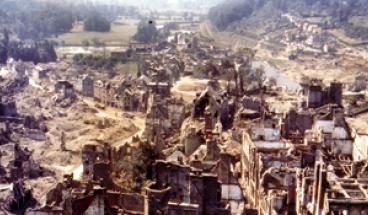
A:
[179, 186]
[203, 182]
[283, 176]
[128, 94]
[306, 161]
[311, 160]
[303, 162]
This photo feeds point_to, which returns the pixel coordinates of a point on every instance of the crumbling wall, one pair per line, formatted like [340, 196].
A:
[8, 109]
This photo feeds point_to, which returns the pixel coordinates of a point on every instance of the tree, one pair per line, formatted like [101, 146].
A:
[230, 11]
[4, 47]
[142, 159]
[97, 43]
[96, 22]
[6, 37]
[35, 20]
[147, 32]
[245, 58]
[171, 26]
[85, 43]
[3, 54]
[260, 76]
[39, 52]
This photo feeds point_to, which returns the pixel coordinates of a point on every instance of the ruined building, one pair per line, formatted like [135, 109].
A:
[95, 193]
[318, 95]
[86, 86]
[302, 162]
[165, 117]
[178, 189]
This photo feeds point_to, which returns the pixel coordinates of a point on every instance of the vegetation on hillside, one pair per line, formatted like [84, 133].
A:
[234, 10]
[30, 19]
[234, 14]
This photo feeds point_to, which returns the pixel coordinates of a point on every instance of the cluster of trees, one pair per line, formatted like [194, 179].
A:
[94, 61]
[173, 5]
[4, 44]
[226, 13]
[354, 31]
[147, 32]
[33, 19]
[37, 52]
[233, 11]
[137, 167]
[95, 21]
[142, 160]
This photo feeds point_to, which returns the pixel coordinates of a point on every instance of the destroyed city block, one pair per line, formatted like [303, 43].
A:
[211, 107]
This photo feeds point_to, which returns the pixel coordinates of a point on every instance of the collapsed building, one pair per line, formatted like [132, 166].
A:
[317, 95]
[18, 164]
[164, 118]
[125, 94]
[214, 107]
[334, 186]
[178, 190]
[310, 34]
[96, 192]
[302, 162]
[206, 187]
[129, 93]
[85, 86]
[65, 93]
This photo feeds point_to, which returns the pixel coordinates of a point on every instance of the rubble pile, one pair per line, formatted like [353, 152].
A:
[42, 122]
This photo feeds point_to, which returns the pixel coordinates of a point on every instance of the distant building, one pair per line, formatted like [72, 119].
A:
[319, 96]
[40, 72]
[160, 88]
[65, 88]
[86, 86]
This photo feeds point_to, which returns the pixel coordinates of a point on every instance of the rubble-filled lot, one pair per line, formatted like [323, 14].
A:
[51, 119]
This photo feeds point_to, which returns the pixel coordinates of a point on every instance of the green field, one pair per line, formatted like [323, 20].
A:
[122, 31]
[120, 34]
